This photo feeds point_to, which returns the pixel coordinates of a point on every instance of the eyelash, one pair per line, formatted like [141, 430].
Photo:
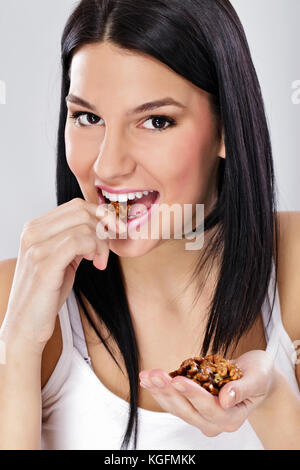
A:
[171, 121]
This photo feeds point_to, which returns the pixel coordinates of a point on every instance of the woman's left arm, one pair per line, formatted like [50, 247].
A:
[277, 420]
[289, 277]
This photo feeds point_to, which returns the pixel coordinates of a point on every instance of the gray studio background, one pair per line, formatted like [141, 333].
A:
[30, 32]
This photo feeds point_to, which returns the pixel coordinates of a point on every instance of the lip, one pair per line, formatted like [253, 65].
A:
[121, 191]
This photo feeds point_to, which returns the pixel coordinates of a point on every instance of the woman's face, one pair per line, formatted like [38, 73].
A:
[171, 149]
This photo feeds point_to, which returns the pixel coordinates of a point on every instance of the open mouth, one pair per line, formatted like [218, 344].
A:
[133, 208]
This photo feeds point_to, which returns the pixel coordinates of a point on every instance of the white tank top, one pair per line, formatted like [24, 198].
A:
[80, 413]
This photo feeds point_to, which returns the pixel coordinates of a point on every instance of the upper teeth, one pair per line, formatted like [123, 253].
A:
[125, 197]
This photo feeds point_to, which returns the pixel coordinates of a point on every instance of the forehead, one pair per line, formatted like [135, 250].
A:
[106, 72]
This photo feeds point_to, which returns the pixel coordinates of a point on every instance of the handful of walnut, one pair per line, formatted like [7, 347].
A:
[211, 372]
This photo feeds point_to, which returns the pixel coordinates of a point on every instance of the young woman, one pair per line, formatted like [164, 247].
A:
[158, 97]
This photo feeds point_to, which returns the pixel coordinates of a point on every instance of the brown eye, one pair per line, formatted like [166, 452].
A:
[83, 119]
[92, 118]
[159, 122]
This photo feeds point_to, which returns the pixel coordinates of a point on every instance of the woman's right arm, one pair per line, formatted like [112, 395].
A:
[20, 386]
[51, 249]
[20, 390]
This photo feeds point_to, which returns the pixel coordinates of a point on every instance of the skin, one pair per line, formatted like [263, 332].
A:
[181, 163]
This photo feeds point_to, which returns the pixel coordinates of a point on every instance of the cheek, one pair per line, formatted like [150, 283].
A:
[191, 163]
[80, 154]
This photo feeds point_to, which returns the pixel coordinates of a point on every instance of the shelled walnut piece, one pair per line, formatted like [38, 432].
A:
[122, 209]
[211, 372]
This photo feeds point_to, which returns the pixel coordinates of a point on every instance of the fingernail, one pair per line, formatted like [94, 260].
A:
[231, 399]
[178, 386]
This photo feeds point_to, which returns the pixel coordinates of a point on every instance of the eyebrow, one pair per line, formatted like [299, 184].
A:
[140, 109]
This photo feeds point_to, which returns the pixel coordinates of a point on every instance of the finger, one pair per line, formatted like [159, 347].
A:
[252, 386]
[209, 408]
[170, 399]
[179, 406]
[74, 243]
[71, 206]
[207, 405]
[204, 411]
[76, 212]
[176, 403]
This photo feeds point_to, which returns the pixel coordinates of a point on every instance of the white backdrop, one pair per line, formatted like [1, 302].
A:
[30, 33]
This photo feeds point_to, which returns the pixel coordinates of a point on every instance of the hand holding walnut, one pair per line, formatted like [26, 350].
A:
[212, 414]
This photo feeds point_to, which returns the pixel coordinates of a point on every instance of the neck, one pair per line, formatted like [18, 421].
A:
[162, 277]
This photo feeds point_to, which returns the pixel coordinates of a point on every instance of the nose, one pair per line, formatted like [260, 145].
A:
[114, 160]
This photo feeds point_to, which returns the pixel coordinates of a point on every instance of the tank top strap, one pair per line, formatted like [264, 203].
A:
[268, 320]
[77, 330]
[276, 335]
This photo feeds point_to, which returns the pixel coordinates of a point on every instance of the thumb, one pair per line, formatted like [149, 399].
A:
[237, 391]
[248, 389]
[227, 397]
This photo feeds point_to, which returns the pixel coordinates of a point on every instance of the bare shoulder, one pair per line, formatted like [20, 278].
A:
[53, 348]
[289, 270]
[289, 273]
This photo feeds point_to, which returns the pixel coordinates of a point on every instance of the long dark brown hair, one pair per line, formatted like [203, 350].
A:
[204, 42]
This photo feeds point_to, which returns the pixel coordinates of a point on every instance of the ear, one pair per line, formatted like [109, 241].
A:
[222, 149]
